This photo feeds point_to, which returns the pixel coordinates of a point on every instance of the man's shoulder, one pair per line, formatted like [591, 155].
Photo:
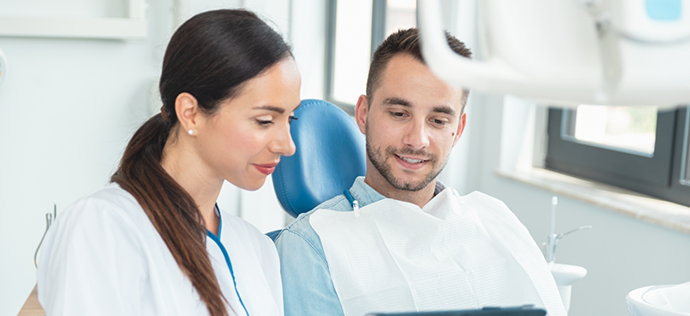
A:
[482, 198]
[338, 203]
[301, 227]
[491, 206]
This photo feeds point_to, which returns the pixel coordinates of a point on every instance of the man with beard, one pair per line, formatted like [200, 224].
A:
[411, 244]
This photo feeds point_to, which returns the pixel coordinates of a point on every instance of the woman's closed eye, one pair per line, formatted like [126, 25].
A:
[264, 121]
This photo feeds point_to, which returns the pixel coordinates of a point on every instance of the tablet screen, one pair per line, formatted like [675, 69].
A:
[486, 311]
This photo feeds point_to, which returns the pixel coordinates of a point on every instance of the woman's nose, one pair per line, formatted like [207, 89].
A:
[283, 145]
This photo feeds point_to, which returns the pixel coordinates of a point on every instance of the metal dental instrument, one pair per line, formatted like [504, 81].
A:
[555, 238]
[49, 221]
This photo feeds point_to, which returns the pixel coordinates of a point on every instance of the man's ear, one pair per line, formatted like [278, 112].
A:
[361, 111]
[461, 128]
[187, 110]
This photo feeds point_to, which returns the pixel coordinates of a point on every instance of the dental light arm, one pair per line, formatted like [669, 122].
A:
[567, 52]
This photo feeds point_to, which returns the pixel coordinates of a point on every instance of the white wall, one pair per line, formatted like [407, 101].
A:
[67, 109]
[621, 253]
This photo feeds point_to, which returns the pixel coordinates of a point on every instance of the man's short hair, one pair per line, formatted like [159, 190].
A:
[406, 42]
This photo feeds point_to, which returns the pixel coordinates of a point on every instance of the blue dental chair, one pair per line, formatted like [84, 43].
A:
[330, 155]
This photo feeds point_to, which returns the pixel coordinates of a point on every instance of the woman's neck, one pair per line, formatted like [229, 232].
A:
[202, 185]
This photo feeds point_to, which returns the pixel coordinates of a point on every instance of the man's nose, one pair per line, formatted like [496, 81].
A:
[283, 143]
[417, 136]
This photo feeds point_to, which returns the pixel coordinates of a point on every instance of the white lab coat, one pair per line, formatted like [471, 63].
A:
[103, 256]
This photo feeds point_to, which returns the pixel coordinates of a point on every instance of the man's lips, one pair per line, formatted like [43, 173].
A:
[411, 162]
[266, 168]
[412, 159]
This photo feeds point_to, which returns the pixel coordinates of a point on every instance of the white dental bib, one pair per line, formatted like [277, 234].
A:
[455, 253]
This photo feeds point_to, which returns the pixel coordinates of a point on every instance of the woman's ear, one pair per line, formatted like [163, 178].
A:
[187, 110]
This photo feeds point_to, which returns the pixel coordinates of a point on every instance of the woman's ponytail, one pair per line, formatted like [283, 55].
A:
[170, 208]
[210, 57]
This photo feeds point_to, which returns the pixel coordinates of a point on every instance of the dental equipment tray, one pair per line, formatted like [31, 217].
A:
[526, 310]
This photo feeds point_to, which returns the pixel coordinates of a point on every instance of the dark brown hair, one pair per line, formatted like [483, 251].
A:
[210, 56]
[406, 42]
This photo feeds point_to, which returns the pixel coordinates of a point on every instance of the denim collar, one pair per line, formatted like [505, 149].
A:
[364, 194]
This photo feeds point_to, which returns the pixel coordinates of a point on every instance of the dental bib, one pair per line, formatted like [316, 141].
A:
[455, 253]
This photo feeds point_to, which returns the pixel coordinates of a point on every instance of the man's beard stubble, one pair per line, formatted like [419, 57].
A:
[378, 159]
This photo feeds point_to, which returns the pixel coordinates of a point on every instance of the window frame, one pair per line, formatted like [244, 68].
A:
[659, 175]
[378, 29]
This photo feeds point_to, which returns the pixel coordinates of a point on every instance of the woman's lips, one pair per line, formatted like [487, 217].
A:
[266, 168]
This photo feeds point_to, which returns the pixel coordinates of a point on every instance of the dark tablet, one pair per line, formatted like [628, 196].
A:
[486, 311]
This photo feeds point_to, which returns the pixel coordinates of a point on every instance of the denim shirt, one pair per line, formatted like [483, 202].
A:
[307, 285]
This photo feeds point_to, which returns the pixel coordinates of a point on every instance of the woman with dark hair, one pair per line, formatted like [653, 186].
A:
[153, 242]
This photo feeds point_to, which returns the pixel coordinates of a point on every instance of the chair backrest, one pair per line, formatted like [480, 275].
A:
[330, 155]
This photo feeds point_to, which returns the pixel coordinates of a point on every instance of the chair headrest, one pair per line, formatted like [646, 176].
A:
[330, 155]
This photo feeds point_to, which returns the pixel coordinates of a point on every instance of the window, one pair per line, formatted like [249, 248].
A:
[630, 129]
[636, 148]
[355, 29]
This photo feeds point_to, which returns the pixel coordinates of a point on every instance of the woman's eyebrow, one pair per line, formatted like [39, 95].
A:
[270, 108]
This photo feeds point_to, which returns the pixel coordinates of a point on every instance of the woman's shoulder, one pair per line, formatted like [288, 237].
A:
[108, 205]
[110, 194]
[103, 219]
[96, 250]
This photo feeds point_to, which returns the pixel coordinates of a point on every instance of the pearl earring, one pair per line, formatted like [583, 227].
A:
[190, 132]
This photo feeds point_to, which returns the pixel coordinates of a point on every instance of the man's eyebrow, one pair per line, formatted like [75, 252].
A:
[270, 108]
[444, 109]
[397, 101]
[438, 109]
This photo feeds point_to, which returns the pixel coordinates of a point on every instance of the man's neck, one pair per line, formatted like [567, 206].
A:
[383, 187]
